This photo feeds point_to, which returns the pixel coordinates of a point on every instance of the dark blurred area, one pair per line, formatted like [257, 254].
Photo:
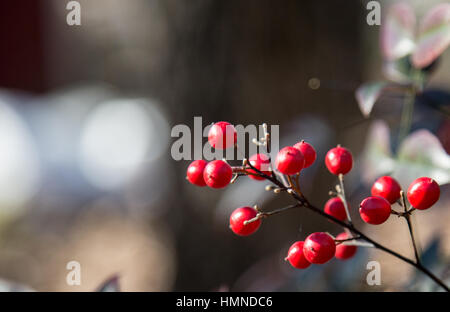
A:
[87, 112]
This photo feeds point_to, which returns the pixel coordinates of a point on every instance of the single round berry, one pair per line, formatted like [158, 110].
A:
[375, 210]
[319, 247]
[388, 188]
[260, 162]
[238, 217]
[308, 152]
[296, 257]
[344, 252]
[289, 160]
[335, 207]
[423, 193]
[217, 174]
[339, 160]
[222, 135]
[194, 172]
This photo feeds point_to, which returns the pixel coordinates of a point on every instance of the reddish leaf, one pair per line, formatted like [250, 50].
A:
[397, 31]
[434, 36]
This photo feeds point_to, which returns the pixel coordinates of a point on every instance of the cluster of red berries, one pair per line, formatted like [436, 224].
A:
[292, 159]
[318, 247]
[422, 194]
[217, 173]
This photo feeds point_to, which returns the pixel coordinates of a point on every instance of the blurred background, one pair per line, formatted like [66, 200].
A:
[86, 113]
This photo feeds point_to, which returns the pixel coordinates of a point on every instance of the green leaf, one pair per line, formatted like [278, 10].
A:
[397, 31]
[422, 155]
[398, 70]
[434, 35]
[367, 94]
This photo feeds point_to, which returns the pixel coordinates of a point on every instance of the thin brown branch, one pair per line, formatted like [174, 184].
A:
[346, 240]
[407, 216]
[263, 214]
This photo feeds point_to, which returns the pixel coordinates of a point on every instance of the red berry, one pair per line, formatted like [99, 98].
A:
[217, 174]
[335, 207]
[319, 247]
[289, 160]
[222, 135]
[296, 257]
[375, 210]
[308, 152]
[339, 160]
[195, 172]
[260, 162]
[344, 252]
[238, 217]
[423, 193]
[388, 188]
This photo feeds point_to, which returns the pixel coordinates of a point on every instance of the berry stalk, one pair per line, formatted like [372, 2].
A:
[407, 216]
[341, 192]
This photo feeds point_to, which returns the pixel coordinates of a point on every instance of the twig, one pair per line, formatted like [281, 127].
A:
[408, 104]
[263, 214]
[407, 216]
[293, 185]
[341, 192]
[346, 239]
[359, 243]
[399, 214]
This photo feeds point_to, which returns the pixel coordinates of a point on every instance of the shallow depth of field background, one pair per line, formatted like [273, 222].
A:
[85, 118]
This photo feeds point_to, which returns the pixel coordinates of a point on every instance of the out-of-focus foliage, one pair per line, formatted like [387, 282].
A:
[420, 154]
[432, 259]
[8, 286]
[434, 35]
[397, 31]
[407, 61]
[110, 285]
[368, 94]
